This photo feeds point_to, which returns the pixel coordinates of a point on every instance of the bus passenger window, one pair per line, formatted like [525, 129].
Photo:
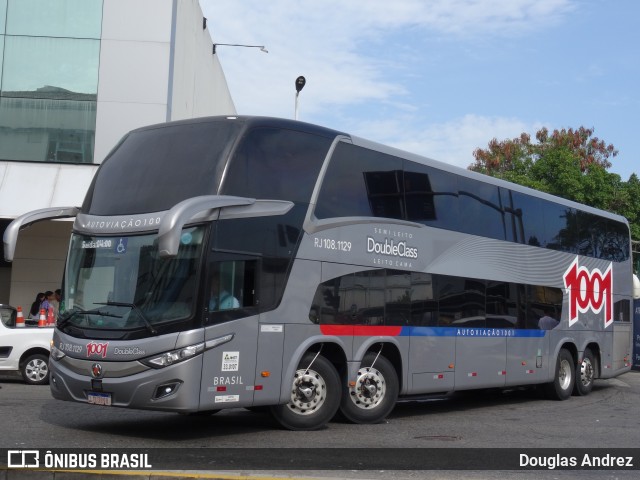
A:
[232, 285]
[221, 296]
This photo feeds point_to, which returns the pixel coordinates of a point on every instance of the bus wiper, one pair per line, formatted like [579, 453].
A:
[66, 316]
[133, 306]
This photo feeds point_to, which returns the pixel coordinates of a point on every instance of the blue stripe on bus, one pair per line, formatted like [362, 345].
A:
[470, 332]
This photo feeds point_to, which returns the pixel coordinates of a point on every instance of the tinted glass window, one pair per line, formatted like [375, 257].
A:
[461, 301]
[54, 18]
[616, 244]
[44, 67]
[272, 163]
[421, 299]
[360, 182]
[326, 302]
[32, 130]
[424, 305]
[431, 196]
[561, 227]
[505, 305]
[3, 13]
[398, 298]
[592, 234]
[232, 288]
[384, 191]
[544, 307]
[152, 170]
[273, 236]
[480, 209]
[621, 310]
[523, 219]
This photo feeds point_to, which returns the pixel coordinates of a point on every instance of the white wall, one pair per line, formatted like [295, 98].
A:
[199, 85]
[134, 68]
[137, 85]
[30, 186]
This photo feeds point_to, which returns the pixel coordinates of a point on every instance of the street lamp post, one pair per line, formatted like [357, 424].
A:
[300, 83]
[261, 47]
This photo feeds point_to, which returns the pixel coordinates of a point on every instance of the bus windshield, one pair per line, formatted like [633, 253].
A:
[121, 283]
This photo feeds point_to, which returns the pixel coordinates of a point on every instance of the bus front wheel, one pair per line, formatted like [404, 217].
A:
[564, 378]
[314, 398]
[374, 393]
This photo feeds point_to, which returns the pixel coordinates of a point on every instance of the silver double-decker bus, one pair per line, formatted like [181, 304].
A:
[230, 262]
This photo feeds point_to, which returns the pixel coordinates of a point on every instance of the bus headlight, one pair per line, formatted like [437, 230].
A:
[56, 353]
[174, 356]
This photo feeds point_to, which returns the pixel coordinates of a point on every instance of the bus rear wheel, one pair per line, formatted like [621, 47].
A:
[375, 391]
[564, 378]
[314, 398]
[585, 374]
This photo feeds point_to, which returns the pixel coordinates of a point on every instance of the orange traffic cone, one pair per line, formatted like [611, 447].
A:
[42, 321]
[51, 321]
[20, 319]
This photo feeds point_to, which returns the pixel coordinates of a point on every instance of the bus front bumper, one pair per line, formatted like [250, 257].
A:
[128, 384]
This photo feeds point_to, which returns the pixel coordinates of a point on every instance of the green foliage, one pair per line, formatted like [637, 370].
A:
[572, 164]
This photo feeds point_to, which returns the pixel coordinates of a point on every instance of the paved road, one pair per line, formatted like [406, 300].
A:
[608, 418]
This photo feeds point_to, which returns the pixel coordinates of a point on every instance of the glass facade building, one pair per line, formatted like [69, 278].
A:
[49, 59]
[75, 76]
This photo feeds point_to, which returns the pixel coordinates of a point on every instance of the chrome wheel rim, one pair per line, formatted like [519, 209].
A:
[369, 390]
[564, 374]
[586, 372]
[308, 393]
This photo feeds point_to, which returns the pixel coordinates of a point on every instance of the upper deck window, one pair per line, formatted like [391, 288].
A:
[276, 164]
[154, 169]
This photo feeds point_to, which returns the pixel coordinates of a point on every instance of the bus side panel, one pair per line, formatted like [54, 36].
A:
[622, 348]
[431, 362]
[480, 362]
[228, 370]
[269, 363]
[527, 360]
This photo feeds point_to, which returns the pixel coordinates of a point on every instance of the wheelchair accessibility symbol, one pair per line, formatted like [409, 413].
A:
[121, 246]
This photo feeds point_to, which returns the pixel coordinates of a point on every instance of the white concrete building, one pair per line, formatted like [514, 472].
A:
[75, 76]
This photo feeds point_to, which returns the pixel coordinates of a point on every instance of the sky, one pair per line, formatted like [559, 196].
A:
[439, 78]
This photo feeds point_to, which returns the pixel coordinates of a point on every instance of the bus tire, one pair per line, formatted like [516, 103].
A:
[585, 374]
[374, 394]
[315, 395]
[35, 369]
[564, 378]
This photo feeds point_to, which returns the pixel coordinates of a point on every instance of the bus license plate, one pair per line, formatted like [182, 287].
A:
[99, 398]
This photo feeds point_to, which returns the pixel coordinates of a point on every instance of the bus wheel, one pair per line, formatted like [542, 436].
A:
[375, 391]
[315, 395]
[35, 369]
[585, 374]
[562, 385]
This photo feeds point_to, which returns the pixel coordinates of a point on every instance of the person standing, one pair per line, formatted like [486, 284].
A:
[34, 311]
[46, 303]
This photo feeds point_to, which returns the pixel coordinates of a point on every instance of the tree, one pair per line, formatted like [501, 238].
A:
[572, 164]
